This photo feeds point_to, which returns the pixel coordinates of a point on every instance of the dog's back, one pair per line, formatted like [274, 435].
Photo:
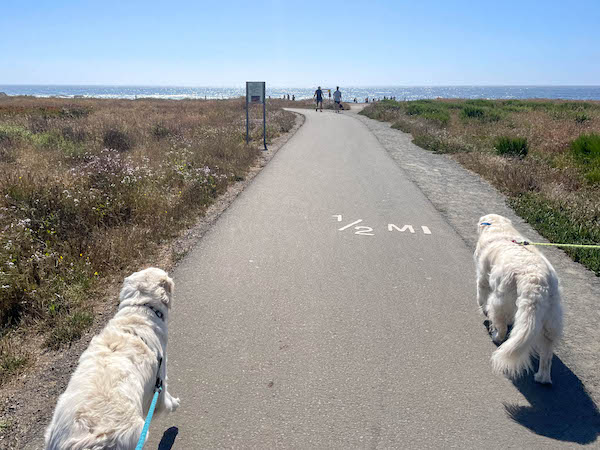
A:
[102, 405]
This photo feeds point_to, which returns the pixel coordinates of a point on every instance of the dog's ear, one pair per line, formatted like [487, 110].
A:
[168, 286]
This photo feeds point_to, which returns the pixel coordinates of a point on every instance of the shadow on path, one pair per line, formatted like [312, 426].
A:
[563, 411]
[168, 439]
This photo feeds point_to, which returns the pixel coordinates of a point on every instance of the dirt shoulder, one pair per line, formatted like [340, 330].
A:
[27, 403]
[463, 197]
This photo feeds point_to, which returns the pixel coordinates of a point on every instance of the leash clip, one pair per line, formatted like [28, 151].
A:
[159, 382]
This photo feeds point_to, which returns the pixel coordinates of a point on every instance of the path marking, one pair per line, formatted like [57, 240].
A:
[351, 224]
[391, 227]
[366, 231]
[369, 231]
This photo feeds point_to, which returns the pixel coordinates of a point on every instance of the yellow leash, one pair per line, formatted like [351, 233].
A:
[557, 245]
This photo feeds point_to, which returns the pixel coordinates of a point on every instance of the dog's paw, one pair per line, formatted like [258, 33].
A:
[494, 334]
[496, 338]
[174, 404]
[543, 378]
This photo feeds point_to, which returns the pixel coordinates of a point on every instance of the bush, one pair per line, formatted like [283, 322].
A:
[480, 102]
[56, 140]
[593, 176]
[441, 117]
[586, 149]
[73, 112]
[414, 109]
[472, 112]
[11, 133]
[159, 131]
[481, 114]
[507, 146]
[117, 140]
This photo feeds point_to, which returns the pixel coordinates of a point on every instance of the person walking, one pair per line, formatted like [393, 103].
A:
[318, 96]
[337, 98]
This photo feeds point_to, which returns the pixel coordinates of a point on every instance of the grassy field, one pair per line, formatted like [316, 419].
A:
[91, 189]
[544, 155]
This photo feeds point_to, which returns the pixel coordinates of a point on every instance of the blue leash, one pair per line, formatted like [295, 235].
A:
[157, 390]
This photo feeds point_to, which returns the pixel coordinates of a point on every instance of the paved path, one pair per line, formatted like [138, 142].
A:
[292, 328]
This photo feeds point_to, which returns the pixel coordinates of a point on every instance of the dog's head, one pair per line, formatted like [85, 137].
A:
[149, 286]
[492, 222]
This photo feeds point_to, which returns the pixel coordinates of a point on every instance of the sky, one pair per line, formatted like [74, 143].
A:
[300, 43]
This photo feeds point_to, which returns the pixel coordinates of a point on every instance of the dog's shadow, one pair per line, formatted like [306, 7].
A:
[563, 411]
[168, 439]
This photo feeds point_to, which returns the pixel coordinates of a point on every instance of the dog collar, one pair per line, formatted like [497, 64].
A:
[485, 223]
[158, 312]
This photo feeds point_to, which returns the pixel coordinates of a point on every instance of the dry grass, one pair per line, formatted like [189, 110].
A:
[553, 176]
[91, 188]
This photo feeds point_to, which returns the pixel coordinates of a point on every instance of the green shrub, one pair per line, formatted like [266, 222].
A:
[12, 133]
[441, 117]
[414, 109]
[117, 140]
[481, 102]
[586, 149]
[582, 117]
[593, 176]
[472, 112]
[55, 140]
[507, 146]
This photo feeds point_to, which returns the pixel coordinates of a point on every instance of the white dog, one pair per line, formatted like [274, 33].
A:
[517, 285]
[109, 395]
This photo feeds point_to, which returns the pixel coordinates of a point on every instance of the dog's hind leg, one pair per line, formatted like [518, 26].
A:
[483, 289]
[545, 349]
[546, 341]
[498, 319]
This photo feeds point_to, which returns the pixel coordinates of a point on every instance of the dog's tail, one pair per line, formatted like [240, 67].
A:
[514, 355]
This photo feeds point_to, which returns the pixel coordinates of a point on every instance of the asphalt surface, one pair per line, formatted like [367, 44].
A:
[292, 328]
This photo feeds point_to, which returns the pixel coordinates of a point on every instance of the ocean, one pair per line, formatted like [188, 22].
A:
[349, 93]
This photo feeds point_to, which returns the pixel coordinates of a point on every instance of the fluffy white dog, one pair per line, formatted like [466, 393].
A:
[517, 285]
[109, 395]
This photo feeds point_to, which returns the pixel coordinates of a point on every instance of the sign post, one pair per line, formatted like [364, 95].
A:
[255, 93]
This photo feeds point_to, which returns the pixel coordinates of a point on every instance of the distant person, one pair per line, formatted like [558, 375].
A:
[355, 101]
[293, 98]
[337, 98]
[319, 99]
[367, 100]
[288, 96]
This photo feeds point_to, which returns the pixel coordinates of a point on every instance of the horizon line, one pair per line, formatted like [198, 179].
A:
[304, 87]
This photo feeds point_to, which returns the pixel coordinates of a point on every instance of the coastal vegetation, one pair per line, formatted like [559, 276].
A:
[543, 154]
[91, 190]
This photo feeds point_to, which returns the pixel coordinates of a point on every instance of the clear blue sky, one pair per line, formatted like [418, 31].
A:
[300, 43]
